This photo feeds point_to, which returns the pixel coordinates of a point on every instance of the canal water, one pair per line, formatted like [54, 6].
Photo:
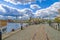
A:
[14, 26]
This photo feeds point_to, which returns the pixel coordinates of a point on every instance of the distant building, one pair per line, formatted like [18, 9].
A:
[3, 24]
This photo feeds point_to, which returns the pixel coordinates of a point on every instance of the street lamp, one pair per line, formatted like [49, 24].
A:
[20, 22]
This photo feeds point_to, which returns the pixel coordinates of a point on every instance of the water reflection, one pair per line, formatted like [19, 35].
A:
[14, 26]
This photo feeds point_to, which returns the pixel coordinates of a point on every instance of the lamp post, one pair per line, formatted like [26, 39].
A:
[20, 22]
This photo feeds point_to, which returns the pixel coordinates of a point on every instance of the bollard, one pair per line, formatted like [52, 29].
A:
[21, 27]
[0, 35]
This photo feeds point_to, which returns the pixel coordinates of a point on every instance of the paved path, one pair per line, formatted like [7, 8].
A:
[52, 33]
[34, 32]
[41, 34]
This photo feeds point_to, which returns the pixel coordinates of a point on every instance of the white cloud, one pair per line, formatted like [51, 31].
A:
[25, 17]
[26, 12]
[21, 11]
[11, 17]
[26, 9]
[35, 6]
[11, 9]
[50, 10]
[2, 9]
[20, 1]
[1, 16]
[19, 17]
[54, 7]
[41, 0]
[41, 12]
[13, 2]
[8, 6]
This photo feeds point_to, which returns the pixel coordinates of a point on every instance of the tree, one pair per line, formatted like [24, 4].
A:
[49, 21]
[57, 20]
[59, 11]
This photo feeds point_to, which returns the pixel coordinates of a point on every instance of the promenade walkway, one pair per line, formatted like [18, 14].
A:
[33, 32]
[52, 33]
[36, 32]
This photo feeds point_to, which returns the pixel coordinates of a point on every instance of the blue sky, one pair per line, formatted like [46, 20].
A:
[42, 4]
[21, 7]
[46, 3]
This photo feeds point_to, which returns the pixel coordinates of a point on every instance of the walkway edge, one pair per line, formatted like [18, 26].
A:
[8, 35]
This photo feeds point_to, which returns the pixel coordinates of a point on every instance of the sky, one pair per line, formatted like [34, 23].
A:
[41, 3]
[29, 8]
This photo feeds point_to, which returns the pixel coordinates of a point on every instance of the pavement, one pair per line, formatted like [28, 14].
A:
[41, 34]
[36, 32]
[33, 32]
[52, 33]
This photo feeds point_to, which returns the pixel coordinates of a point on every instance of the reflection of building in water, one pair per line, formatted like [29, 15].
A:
[7, 26]
[3, 24]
